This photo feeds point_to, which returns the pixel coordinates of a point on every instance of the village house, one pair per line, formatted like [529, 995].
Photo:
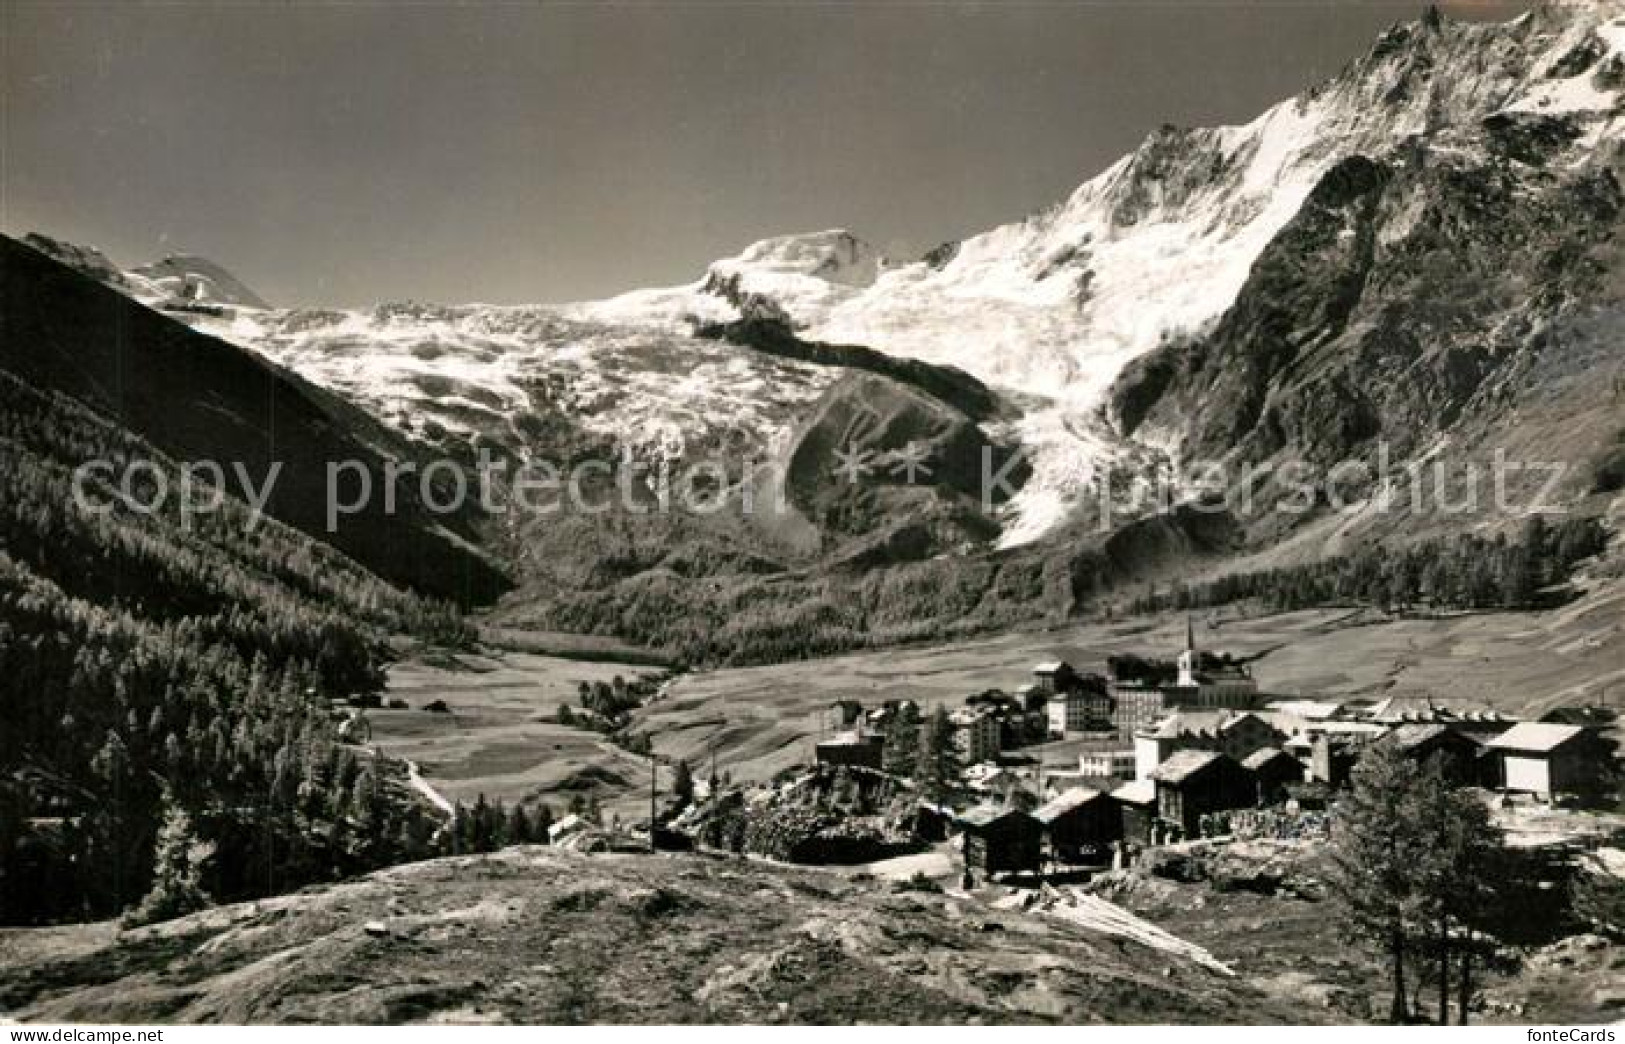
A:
[1425, 743]
[1080, 824]
[932, 821]
[977, 734]
[1137, 802]
[1236, 733]
[1546, 759]
[856, 748]
[1273, 769]
[1194, 783]
[1001, 840]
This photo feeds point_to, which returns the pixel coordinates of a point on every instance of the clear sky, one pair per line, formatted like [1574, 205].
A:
[344, 155]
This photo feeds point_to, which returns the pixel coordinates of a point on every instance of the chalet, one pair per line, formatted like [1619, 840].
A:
[998, 841]
[1236, 733]
[1273, 769]
[857, 748]
[1080, 824]
[1137, 803]
[1425, 743]
[932, 821]
[1194, 783]
[977, 734]
[1545, 759]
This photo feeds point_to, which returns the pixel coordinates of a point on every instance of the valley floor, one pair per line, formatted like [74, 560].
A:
[500, 738]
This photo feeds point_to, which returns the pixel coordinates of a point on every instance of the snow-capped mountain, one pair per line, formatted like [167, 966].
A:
[1047, 311]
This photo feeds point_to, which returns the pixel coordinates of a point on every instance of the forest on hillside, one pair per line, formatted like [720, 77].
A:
[166, 685]
[1465, 571]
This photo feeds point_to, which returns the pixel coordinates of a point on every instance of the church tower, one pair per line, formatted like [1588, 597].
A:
[1187, 658]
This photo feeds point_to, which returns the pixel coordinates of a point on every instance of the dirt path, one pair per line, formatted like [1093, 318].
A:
[424, 787]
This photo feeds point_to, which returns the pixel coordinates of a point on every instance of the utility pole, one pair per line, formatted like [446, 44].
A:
[653, 769]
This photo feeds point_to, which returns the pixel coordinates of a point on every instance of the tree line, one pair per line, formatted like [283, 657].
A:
[1466, 571]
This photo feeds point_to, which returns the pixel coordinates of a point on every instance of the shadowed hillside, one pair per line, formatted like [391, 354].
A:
[200, 399]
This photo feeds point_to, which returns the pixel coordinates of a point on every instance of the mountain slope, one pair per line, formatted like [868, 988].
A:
[199, 399]
[1434, 298]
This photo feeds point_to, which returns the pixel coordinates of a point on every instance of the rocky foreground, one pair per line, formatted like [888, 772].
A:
[537, 935]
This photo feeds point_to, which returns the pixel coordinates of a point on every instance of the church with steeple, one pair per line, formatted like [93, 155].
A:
[1200, 681]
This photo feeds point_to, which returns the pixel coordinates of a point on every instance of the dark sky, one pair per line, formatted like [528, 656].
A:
[350, 154]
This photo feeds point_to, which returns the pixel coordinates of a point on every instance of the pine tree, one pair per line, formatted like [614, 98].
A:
[936, 767]
[901, 753]
[519, 828]
[541, 823]
[1376, 851]
[682, 785]
[177, 887]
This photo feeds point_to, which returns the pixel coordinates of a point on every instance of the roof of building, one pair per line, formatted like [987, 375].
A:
[986, 815]
[1123, 753]
[1184, 764]
[1263, 756]
[1139, 792]
[852, 739]
[964, 716]
[568, 825]
[1310, 710]
[1206, 723]
[1049, 666]
[1536, 737]
[1410, 737]
[1063, 803]
[1423, 709]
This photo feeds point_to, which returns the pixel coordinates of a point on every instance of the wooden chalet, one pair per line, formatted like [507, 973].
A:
[1194, 783]
[1001, 840]
[1273, 769]
[1080, 824]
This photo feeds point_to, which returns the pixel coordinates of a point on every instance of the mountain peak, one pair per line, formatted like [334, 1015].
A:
[192, 278]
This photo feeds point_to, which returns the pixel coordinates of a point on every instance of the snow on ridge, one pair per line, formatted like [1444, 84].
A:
[1048, 309]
